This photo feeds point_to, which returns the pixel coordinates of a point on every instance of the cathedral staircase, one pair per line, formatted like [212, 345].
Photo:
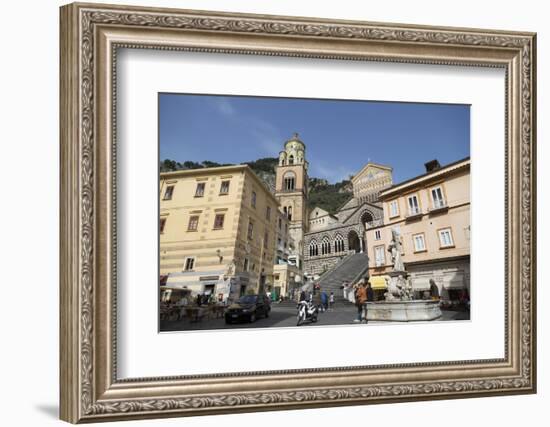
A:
[350, 269]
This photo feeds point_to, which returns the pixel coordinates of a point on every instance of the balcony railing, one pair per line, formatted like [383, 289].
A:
[413, 214]
[439, 206]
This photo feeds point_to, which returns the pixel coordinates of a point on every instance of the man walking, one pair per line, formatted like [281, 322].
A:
[360, 300]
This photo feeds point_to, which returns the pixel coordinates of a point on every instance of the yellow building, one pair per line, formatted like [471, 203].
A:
[431, 213]
[286, 277]
[218, 231]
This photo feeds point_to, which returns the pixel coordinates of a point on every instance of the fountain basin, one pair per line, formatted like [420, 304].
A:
[403, 311]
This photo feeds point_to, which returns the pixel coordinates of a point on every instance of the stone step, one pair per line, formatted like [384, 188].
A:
[350, 269]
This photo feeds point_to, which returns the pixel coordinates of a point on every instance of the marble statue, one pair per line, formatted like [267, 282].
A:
[395, 248]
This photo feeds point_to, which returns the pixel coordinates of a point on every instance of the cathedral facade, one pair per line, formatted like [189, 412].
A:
[330, 237]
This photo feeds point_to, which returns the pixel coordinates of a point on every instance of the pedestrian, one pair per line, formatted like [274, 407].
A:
[331, 301]
[434, 290]
[317, 298]
[324, 301]
[344, 288]
[303, 296]
[360, 299]
[370, 298]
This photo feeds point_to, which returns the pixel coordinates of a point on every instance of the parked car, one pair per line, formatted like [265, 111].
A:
[248, 308]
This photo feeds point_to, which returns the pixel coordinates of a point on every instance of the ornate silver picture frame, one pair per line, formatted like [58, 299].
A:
[91, 390]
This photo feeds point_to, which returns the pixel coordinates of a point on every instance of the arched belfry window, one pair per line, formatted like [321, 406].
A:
[338, 244]
[313, 248]
[291, 159]
[289, 181]
[325, 246]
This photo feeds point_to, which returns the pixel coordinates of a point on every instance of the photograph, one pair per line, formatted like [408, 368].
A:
[298, 212]
[263, 210]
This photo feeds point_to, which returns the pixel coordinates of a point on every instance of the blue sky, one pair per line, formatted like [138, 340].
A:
[340, 136]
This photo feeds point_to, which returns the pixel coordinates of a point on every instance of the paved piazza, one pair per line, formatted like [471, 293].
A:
[283, 315]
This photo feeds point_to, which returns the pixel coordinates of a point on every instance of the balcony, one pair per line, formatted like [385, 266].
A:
[439, 206]
[413, 214]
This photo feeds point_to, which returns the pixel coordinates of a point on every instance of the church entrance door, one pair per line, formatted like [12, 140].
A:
[353, 242]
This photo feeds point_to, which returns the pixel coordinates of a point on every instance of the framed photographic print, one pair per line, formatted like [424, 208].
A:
[267, 213]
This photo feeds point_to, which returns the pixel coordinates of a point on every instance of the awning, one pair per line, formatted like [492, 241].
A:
[454, 281]
[378, 282]
[421, 283]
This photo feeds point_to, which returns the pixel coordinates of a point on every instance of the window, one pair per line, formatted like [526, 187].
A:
[377, 235]
[250, 230]
[289, 184]
[394, 208]
[419, 242]
[280, 224]
[245, 266]
[291, 159]
[413, 205]
[162, 224]
[224, 187]
[168, 193]
[266, 239]
[253, 199]
[313, 249]
[437, 198]
[218, 221]
[325, 246]
[268, 213]
[379, 255]
[289, 213]
[289, 181]
[193, 223]
[199, 192]
[189, 264]
[338, 244]
[446, 238]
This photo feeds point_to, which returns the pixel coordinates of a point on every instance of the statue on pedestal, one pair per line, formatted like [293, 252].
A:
[395, 248]
[399, 287]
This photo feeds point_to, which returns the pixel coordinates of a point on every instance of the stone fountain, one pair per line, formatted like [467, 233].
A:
[399, 305]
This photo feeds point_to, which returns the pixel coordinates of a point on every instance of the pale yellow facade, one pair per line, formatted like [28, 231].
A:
[218, 229]
[432, 216]
[286, 277]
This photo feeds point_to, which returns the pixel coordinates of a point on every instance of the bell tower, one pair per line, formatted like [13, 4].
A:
[291, 184]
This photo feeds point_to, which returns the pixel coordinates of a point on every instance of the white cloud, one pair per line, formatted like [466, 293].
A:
[224, 106]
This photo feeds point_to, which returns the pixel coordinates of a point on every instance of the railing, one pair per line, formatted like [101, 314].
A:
[438, 205]
[413, 213]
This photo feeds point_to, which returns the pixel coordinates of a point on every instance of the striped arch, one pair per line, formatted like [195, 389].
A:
[339, 245]
[313, 248]
[325, 245]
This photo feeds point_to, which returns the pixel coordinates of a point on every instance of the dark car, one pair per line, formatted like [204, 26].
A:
[248, 308]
